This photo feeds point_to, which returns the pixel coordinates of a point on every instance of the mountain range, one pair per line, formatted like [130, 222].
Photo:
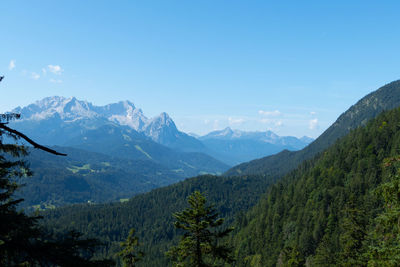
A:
[70, 122]
[235, 146]
[66, 118]
[107, 158]
[127, 152]
[288, 221]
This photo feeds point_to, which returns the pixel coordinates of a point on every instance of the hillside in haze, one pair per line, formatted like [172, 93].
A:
[235, 146]
[85, 176]
[107, 129]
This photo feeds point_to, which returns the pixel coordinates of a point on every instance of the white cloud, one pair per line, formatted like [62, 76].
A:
[233, 121]
[12, 65]
[312, 113]
[35, 76]
[56, 69]
[55, 81]
[279, 123]
[274, 113]
[313, 124]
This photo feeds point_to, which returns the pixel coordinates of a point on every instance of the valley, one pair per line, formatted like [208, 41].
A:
[234, 196]
[115, 152]
[199, 134]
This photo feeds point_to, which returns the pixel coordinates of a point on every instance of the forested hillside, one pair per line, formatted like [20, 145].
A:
[85, 176]
[385, 98]
[151, 213]
[334, 209]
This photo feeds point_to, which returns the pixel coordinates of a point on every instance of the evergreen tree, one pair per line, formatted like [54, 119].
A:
[129, 253]
[16, 228]
[352, 238]
[200, 246]
[384, 239]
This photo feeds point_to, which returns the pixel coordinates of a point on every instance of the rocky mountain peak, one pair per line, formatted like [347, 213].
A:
[123, 113]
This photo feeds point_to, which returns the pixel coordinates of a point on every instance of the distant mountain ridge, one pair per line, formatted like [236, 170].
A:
[267, 137]
[160, 129]
[237, 146]
[70, 122]
[138, 163]
[111, 130]
[385, 98]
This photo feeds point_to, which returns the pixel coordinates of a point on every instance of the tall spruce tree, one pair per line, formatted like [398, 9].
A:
[130, 254]
[200, 246]
[353, 234]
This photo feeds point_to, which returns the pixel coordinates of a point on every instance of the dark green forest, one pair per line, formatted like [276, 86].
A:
[328, 211]
[151, 213]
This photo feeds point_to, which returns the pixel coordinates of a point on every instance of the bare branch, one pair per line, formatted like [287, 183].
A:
[30, 141]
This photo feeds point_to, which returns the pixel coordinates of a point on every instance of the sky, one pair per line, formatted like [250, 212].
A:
[287, 66]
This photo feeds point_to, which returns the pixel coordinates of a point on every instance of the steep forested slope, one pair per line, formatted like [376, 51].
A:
[151, 213]
[322, 212]
[385, 98]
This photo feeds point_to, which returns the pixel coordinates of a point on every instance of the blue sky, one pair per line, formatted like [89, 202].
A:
[289, 66]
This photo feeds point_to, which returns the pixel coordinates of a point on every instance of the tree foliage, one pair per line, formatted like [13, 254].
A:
[130, 254]
[339, 209]
[150, 214]
[384, 238]
[200, 246]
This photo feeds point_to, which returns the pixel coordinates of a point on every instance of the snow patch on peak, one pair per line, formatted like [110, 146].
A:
[65, 108]
[124, 113]
[161, 121]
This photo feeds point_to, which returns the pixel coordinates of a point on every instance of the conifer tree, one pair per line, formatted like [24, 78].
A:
[130, 254]
[353, 235]
[200, 246]
[384, 239]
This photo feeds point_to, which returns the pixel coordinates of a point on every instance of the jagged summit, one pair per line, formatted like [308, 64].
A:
[161, 129]
[65, 108]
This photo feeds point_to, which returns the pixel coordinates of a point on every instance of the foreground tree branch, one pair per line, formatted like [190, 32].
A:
[30, 141]
[10, 116]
